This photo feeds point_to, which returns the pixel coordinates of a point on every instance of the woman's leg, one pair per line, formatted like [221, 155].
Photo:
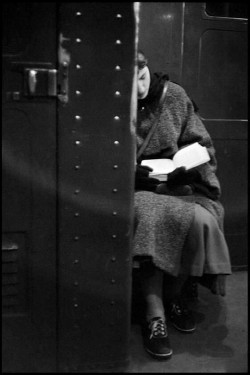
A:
[154, 329]
[152, 285]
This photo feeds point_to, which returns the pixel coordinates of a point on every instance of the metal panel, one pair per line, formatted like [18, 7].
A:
[96, 164]
[215, 75]
[29, 204]
[160, 36]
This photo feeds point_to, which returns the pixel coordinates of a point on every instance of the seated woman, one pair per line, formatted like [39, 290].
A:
[179, 223]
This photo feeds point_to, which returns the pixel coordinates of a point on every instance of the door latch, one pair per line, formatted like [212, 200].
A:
[42, 82]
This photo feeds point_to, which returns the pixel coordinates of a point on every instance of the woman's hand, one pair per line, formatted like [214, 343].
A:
[182, 176]
[142, 181]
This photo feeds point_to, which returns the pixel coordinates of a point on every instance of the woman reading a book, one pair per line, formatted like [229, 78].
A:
[178, 223]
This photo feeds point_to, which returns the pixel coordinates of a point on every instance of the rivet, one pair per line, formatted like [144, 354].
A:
[116, 143]
[117, 93]
[77, 143]
[115, 190]
[113, 281]
[78, 40]
[114, 235]
[76, 283]
[117, 118]
[75, 304]
[78, 13]
[113, 259]
[77, 167]
[118, 41]
[77, 117]
[16, 95]
[115, 166]
[117, 67]
[78, 66]
[77, 214]
[77, 191]
[118, 15]
[76, 261]
[76, 238]
[78, 92]
[114, 213]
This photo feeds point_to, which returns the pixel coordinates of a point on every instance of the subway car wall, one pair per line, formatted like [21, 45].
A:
[203, 47]
[68, 146]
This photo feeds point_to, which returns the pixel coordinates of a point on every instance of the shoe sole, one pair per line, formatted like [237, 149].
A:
[184, 330]
[159, 356]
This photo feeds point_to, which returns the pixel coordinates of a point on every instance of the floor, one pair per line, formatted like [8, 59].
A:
[219, 343]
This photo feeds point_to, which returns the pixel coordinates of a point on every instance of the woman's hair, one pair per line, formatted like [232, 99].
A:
[141, 60]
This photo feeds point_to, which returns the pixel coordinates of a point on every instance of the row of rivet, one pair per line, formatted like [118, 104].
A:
[78, 67]
[78, 14]
[118, 41]
[78, 143]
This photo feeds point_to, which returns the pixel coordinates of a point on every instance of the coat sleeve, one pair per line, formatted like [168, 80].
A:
[193, 130]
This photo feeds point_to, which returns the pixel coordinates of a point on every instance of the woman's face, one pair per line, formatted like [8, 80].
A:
[143, 82]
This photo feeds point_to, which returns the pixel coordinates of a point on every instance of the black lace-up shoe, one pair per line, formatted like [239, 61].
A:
[181, 317]
[155, 338]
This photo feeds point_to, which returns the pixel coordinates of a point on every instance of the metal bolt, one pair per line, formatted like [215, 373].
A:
[117, 118]
[118, 41]
[118, 15]
[115, 166]
[115, 190]
[117, 93]
[77, 117]
[77, 191]
[78, 13]
[117, 67]
[114, 213]
[114, 235]
[77, 143]
[78, 66]
[77, 214]
[116, 143]
[78, 40]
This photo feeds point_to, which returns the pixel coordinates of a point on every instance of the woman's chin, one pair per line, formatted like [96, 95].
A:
[142, 96]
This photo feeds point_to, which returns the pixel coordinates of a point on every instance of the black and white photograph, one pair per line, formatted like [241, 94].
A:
[124, 187]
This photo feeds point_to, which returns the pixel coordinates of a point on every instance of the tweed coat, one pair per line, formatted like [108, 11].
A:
[162, 222]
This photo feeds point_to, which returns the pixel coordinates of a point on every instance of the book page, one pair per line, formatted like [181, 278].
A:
[191, 156]
[159, 166]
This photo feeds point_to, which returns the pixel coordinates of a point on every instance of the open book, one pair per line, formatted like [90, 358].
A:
[190, 156]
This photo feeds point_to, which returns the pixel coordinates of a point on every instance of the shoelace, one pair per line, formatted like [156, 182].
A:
[158, 328]
[180, 309]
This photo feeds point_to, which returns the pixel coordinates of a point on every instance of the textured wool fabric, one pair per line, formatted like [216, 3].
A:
[162, 222]
[200, 254]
